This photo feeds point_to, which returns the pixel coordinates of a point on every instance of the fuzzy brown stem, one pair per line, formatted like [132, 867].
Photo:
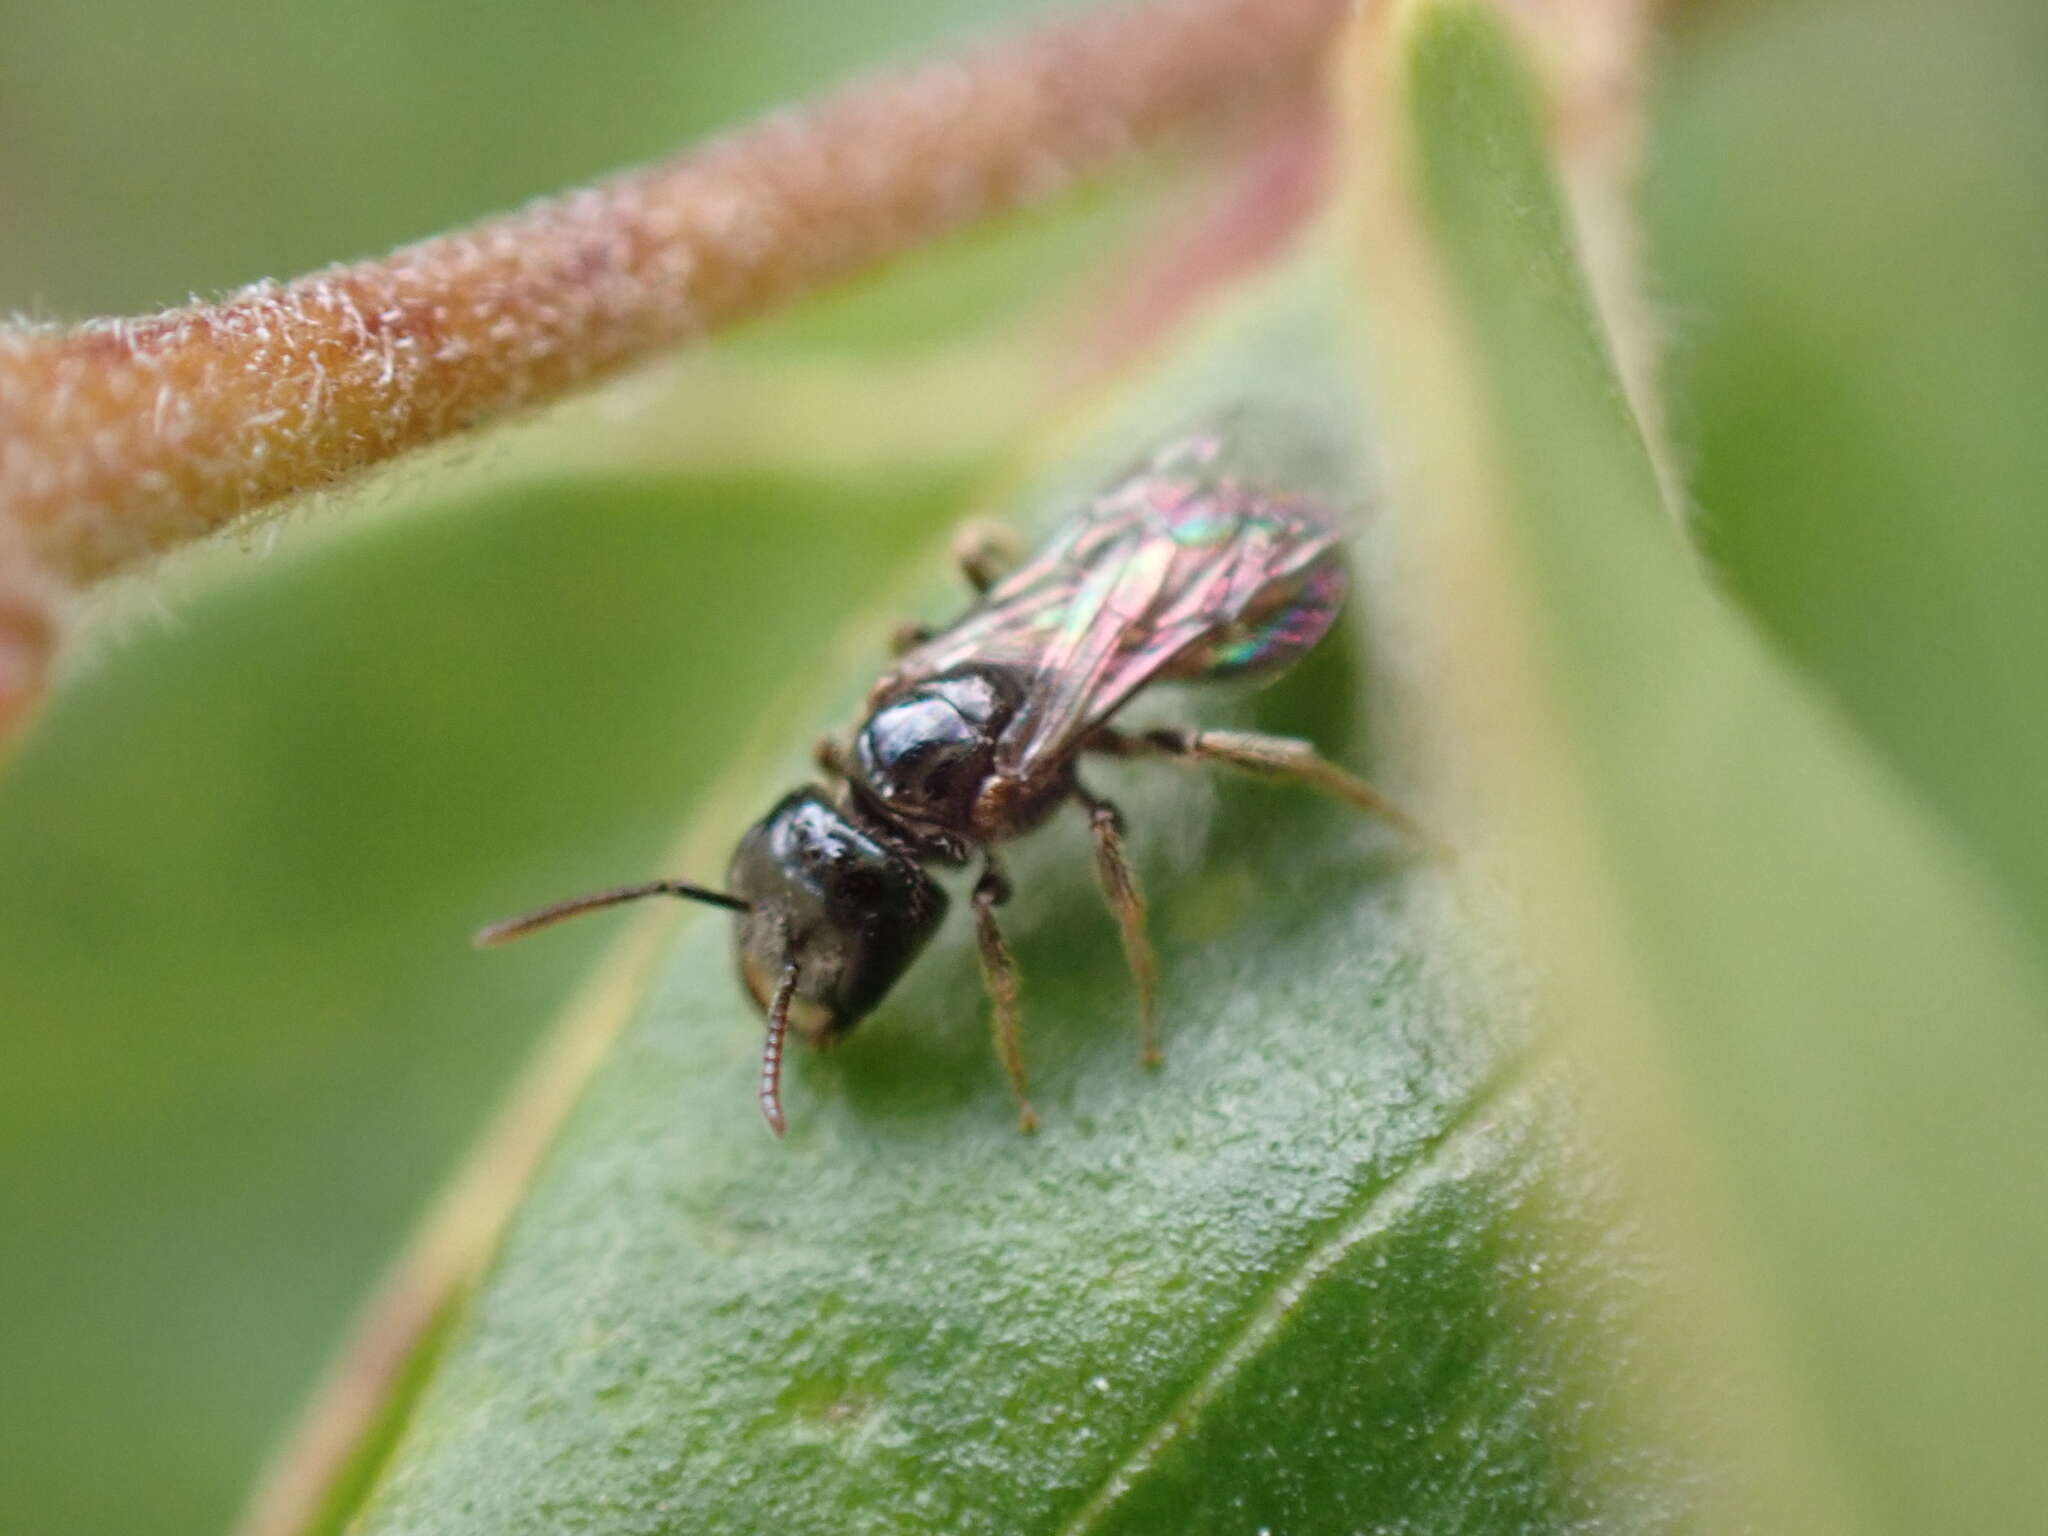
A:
[120, 438]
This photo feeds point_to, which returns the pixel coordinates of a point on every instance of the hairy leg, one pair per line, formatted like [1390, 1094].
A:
[999, 973]
[1281, 756]
[1127, 902]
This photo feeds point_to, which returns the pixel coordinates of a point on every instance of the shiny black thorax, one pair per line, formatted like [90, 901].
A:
[841, 884]
[925, 764]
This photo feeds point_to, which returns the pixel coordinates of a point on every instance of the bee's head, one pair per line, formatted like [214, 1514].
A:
[833, 917]
[829, 916]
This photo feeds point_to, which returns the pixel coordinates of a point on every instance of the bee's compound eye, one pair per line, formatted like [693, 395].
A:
[849, 910]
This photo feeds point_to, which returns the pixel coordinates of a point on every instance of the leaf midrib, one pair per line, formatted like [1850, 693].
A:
[1372, 1214]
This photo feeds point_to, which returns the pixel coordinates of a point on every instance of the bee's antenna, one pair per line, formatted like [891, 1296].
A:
[770, 1093]
[520, 927]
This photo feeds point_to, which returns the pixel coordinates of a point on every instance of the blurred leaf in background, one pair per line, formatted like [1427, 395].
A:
[150, 151]
[1849, 213]
[1823, 1033]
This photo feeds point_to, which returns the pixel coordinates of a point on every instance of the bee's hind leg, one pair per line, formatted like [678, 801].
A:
[986, 551]
[1127, 902]
[1282, 756]
[999, 974]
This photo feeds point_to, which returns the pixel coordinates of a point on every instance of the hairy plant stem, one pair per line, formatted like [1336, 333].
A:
[122, 438]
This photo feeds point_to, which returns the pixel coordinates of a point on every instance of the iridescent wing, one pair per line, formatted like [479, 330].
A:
[1016, 619]
[1176, 572]
[1218, 581]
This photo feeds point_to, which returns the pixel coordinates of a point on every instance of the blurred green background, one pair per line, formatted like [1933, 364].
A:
[244, 1037]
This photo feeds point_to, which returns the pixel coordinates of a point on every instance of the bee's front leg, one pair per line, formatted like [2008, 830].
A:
[830, 755]
[908, 636]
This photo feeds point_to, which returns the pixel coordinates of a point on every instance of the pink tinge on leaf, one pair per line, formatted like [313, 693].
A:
[1250, 212]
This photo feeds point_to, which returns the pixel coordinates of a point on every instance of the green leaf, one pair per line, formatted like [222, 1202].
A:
[1860, 360]
[1814, 1007]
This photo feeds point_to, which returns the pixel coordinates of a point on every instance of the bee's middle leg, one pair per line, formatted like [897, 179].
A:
[986, 551]
[1127, 902]
[908, 636]
[999, 974]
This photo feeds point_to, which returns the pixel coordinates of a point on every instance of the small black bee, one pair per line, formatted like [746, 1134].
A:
[1177, 572]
